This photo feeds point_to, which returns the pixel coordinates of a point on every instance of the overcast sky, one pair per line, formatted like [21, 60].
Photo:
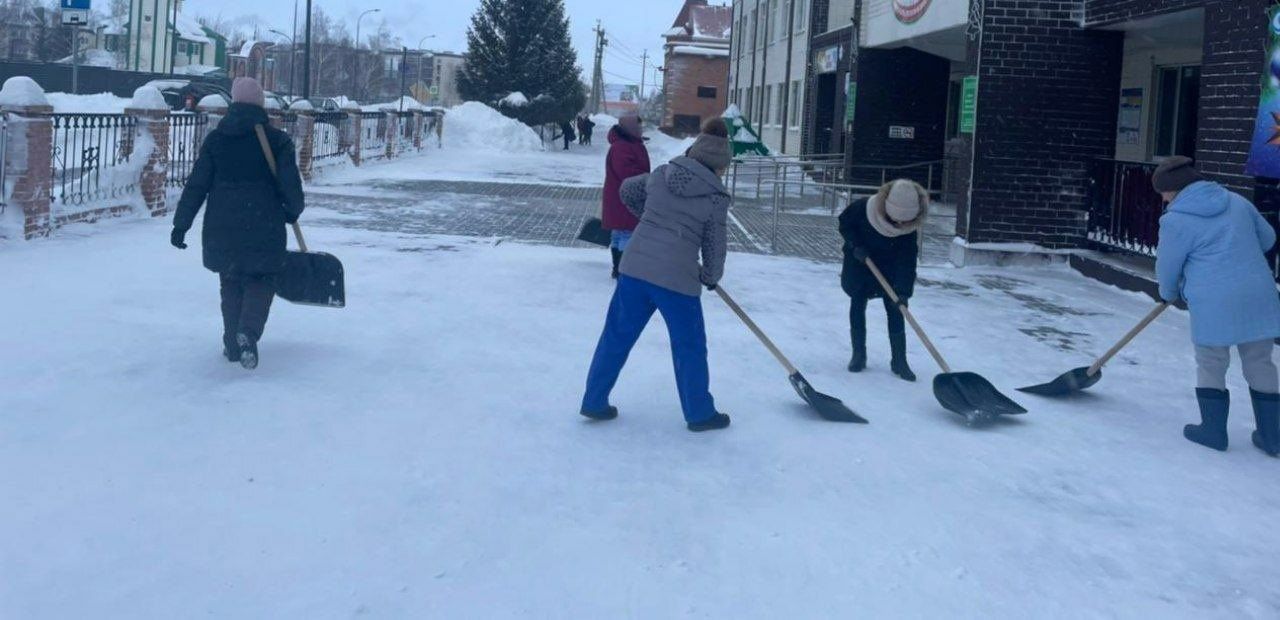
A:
[632, 25]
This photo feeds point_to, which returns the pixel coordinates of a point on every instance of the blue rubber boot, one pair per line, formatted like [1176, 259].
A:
[1211, 432]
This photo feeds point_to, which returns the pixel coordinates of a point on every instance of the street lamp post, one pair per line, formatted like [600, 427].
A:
[421, 56]
[356, 60]
[293, 57]
[306, 67]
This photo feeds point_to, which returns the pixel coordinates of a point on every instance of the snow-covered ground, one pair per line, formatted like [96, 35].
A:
[418, 454]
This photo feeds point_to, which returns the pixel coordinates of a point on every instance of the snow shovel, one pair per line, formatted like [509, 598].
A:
[593, 232]
[830, 408]
[309, 278]
[965, 393]
[1084, 378]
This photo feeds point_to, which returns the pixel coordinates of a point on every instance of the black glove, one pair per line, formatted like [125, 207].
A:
[712, 287]
[176, 238]
[860, 254]
[290, 218]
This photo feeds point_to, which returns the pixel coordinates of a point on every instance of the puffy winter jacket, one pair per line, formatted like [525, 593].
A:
[627, 158]
[244, 225]
[683, 209]
[1211, 253]
[896, 257]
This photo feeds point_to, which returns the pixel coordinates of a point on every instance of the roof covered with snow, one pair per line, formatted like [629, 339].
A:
[191, 30]
[695, 50]
[698, 21]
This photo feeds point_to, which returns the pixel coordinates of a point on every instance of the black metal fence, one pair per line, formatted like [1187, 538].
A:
[1124, 210]
[328, 142]
[186, 134]
[92, 158]
[404, 133]
[373, 135]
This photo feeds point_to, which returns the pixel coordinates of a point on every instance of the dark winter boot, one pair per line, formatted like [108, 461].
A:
[717, 422]
[899, 366]
[1211, 432]
[230, 348]
[604, 415]
[617, 260]
[858, 338]
[1266, 411]
[248, 351]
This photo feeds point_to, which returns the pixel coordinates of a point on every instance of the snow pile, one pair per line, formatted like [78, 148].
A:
[93, 58]
[694, 50]
[744, 136]
[604, 122]
[271, 104]
[101, 103]
[733, 111]
[213, 102]
[475, 126]
[515, 100]
[196, 69]
[302, 105]
[408, 104]
[148, 98]
[22, 91]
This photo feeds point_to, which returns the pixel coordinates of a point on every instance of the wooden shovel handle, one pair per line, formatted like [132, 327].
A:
[297, 233]
[1133, 333]
[755, 329]
[888, 289]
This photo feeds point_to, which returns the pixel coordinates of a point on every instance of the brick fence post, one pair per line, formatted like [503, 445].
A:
[417, 129]
[305, 141]
[151, 114]
[28, 159]
[356, 129]
[392, 133]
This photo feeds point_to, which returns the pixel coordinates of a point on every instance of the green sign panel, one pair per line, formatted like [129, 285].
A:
[851, 102]
[969, 105]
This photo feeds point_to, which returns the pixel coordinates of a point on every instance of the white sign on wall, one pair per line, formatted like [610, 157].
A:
[890, 22]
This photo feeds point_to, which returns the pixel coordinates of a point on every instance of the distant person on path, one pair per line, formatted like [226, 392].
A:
[1212, 254]
[588, 129]
[244, 225]
[566, 129]
[683, 208]
[886, 229]
[627, 158]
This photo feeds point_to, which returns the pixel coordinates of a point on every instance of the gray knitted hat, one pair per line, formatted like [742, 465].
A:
[1175, 174]
[711, 151]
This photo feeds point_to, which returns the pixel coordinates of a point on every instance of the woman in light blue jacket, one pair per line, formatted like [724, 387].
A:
[1212, 254]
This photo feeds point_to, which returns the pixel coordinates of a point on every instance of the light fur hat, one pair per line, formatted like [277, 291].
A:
[248, 90]
[903, 203]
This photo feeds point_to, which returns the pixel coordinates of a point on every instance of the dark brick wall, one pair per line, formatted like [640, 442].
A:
[1046, 108]
[1235, 53]
[1099, 12]
[885, 100]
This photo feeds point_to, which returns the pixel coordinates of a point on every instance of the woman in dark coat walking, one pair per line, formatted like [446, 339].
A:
[886, 229]
[248, 208]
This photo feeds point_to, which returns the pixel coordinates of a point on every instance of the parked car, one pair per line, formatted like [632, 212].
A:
[325, 104]
[186, 94]
[282, 102]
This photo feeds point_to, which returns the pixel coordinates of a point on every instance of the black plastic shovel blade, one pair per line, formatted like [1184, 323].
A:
[830, 408]
[1065, 385]
[973, 397]
[593, 232]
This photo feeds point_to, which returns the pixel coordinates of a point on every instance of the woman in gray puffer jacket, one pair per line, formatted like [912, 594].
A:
[683, 207]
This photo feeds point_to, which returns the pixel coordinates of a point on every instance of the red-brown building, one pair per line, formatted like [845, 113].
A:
[696, 67]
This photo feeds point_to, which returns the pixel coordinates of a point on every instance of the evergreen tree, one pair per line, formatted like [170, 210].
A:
[523, 46]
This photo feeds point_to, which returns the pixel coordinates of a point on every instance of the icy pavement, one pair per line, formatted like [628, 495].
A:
[418, 454]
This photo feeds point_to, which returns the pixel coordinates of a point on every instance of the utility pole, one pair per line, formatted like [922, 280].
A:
[644, 69]
[306, 65]
[597, 75]
[404, 76]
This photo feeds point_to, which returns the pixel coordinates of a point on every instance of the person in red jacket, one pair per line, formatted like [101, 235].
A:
[627, 158]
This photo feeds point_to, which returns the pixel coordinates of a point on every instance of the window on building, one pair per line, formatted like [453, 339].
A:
[688, 124]
[706, 92]
[751, 101]
[795, 104]
[779, 93]
[762, 37]
[1177, 111]
[954, 93]
[751, 32]
[767, 107]
[772, 20]
[802, 15]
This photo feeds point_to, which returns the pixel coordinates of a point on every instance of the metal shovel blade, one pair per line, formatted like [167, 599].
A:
[1069, 383]
[973, 397]
[830, 408]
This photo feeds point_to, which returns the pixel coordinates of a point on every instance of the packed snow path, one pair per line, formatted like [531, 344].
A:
[418, 454]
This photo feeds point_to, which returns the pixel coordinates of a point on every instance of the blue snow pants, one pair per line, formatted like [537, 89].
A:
[634, 302]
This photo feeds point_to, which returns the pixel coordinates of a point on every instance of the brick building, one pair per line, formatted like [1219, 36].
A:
[1045, 117]
[696, 67]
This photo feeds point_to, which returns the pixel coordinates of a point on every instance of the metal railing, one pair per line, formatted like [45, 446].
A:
[373, 135]
[404, 133]
[1124, 210]
[186, 134]
[4, 148]
[289, 124]
[926, 173]
[91, 156]
[327, 137]
[750, 173]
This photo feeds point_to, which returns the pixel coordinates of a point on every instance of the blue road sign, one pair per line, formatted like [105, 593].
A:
[75, 5]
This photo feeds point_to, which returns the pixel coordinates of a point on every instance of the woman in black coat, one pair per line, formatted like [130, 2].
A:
[886, 229]
[248, 208]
